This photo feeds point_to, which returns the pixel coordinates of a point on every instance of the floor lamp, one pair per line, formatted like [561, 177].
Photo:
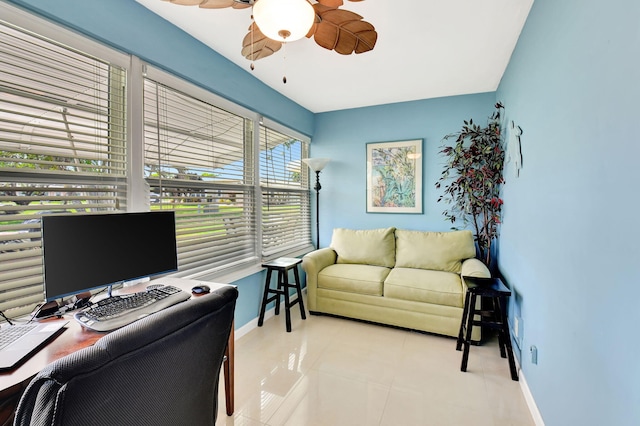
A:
[317, 164]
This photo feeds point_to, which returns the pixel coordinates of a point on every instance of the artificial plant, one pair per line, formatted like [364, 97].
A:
[472, 178]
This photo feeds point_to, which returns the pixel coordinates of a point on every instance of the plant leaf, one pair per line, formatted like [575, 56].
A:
[343, 31]
[257, 46]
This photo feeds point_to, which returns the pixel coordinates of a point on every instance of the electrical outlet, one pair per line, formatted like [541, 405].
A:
[516, 331]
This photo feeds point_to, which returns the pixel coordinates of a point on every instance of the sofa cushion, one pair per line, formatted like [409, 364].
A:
[421, 285]
[366, 247]
[361, 279]
[439, 251]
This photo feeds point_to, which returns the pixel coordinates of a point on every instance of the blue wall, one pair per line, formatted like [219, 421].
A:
[573, 86]
[568, 247]
[343, 135]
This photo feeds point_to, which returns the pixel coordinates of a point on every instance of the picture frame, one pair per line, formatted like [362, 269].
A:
[394, 177]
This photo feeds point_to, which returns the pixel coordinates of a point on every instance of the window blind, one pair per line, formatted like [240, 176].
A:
[62, 149]
[284, 185]
[198, 162]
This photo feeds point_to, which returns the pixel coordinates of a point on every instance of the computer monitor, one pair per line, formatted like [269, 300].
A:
[82, 252]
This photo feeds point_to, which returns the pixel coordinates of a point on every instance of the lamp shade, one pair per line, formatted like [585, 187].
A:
[284, 20]
[316, 164]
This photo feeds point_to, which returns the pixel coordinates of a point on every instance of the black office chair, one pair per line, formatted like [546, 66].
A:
[160, 370]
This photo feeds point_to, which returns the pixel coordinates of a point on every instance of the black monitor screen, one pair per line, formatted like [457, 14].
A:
[83, 252]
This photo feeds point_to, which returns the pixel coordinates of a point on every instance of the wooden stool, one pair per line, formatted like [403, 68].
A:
[282, 265]
[495, 317]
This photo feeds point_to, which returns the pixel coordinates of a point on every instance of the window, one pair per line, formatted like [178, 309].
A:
[285, 195]
[62, 148]
[198, 162]
[69, 144]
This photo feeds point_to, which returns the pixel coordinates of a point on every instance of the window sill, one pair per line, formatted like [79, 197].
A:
[246, 270]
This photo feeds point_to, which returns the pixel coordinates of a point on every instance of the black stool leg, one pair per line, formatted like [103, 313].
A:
[465, 353]
[506, 337]
[265, 296]
[299, 290]
[279, 291]
[465, 312]
[497, 318]
[283, 277]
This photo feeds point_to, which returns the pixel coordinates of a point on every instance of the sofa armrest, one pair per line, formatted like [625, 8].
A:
[312, 264]
[473, 268]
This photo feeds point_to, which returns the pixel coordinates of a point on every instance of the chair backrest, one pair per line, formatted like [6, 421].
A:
[161, 370]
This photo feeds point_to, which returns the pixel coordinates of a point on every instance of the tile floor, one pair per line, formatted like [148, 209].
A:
[331, 371]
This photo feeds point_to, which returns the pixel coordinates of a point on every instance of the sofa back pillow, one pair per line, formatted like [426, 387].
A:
[367, 247]
[437, 251]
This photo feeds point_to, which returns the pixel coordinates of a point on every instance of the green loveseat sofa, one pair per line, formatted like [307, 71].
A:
[403, 278]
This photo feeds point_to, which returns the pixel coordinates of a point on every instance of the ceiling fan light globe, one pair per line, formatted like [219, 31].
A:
[283, 20]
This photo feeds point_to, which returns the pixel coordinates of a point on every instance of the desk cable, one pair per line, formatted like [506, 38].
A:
[5, 317]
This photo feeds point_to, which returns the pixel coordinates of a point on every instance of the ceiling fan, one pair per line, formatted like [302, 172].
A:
[331, 27]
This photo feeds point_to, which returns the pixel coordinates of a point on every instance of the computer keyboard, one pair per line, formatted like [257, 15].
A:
[118, 311]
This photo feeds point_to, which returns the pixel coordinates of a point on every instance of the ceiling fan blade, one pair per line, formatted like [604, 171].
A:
[314, 26]
[219, 4]
[343, 31]
[333, 4]
[257, 46]
[186, 2]
[238, 5]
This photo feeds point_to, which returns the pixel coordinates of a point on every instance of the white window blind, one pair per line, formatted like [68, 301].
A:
[198, 162]
[62, 149]
[284, 184]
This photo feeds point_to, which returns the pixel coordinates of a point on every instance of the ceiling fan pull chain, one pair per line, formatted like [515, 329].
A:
[284, 62]
[253, 55]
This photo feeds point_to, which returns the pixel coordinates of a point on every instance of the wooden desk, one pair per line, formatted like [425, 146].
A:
[76, 337]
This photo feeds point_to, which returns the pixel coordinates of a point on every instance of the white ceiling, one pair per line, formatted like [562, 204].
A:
[425, 49]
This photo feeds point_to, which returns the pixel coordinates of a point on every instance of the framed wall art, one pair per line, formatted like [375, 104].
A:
[394, 177]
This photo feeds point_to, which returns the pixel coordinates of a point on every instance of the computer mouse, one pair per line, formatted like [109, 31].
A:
[201, 289]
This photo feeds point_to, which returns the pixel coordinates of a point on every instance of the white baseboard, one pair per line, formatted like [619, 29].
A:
[531, 403]
[253, 324]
